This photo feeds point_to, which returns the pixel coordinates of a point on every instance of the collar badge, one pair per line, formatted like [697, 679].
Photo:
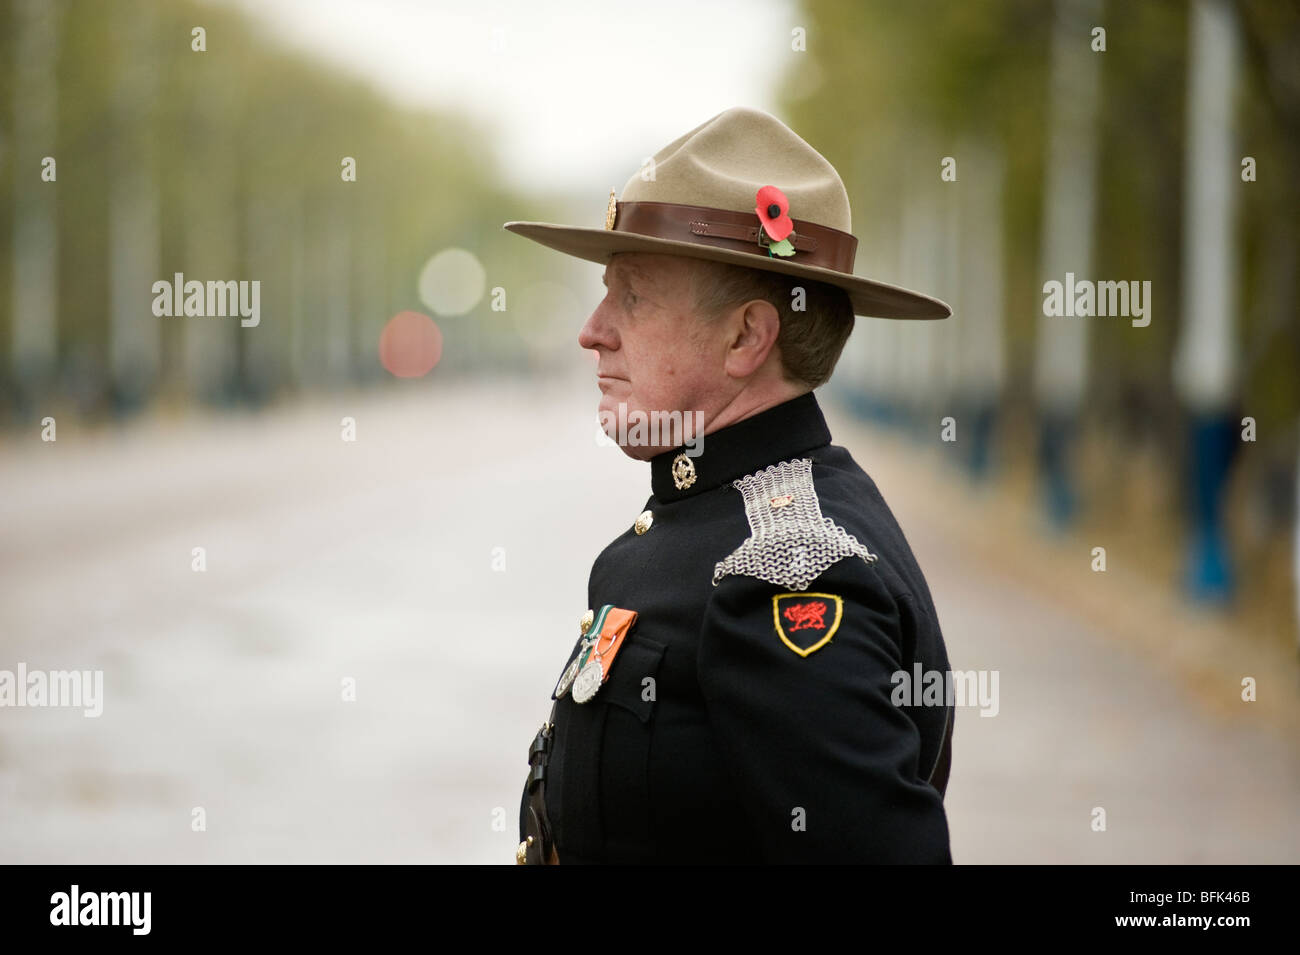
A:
[683, 472]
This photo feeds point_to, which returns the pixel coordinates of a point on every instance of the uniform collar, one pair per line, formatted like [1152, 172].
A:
[777, 434]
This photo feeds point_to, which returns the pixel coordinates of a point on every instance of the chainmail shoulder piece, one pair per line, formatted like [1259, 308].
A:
[789, 543]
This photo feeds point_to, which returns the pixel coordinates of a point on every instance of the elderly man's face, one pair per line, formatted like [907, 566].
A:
[654, 353]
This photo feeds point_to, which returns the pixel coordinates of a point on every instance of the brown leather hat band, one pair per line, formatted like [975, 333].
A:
[814, 244]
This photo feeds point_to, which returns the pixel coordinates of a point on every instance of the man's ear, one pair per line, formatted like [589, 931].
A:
[755, 326]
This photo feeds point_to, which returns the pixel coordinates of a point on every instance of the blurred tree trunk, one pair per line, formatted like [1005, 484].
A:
[134, 333]
[1061, 364]
[978, 336]
[1205, 357]
[211, 236]
[35, 325]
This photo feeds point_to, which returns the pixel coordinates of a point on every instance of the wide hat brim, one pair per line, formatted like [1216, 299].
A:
[869, 298]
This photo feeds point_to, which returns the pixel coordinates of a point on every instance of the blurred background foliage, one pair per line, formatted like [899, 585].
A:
[170, 161]
[888, 88]
[242, 169]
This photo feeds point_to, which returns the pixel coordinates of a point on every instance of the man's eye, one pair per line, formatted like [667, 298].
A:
[630, 298]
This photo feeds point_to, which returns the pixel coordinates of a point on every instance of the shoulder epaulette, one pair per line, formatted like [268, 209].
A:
[789, 543]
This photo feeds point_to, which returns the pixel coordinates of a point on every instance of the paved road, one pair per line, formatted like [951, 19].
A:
[377, 561]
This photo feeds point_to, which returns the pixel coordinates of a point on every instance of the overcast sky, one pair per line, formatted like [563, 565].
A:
[578, 91]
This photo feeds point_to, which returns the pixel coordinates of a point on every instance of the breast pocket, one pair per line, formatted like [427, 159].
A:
[629, 696]
[632, 679]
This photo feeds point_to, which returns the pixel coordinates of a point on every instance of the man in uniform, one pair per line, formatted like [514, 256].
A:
[734, 695]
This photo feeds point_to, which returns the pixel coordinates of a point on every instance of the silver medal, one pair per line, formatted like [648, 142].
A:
[588, 681]
[566, 679]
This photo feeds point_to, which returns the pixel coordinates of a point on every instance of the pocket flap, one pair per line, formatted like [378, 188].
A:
[637, 661]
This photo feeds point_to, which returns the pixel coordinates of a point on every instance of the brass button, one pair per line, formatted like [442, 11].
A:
[643, 522]
[587, 619]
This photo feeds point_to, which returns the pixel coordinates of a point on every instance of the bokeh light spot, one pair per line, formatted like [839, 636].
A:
[410, 345]
[452, 282]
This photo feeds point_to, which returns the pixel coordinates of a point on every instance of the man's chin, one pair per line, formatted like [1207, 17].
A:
[612, 422]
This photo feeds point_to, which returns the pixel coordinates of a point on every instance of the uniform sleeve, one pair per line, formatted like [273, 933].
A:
[826, 764]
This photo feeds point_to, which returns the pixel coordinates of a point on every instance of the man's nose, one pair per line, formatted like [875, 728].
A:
[596, 331]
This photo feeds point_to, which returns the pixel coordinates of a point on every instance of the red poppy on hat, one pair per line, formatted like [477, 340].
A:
[773, 210]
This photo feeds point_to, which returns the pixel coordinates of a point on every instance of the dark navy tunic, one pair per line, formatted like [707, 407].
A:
[715, 740]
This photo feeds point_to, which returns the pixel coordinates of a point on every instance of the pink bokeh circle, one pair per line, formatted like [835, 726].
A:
[410, 345]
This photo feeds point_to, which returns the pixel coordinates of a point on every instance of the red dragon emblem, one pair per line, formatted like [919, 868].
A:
[803, 616]
[805, 622]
